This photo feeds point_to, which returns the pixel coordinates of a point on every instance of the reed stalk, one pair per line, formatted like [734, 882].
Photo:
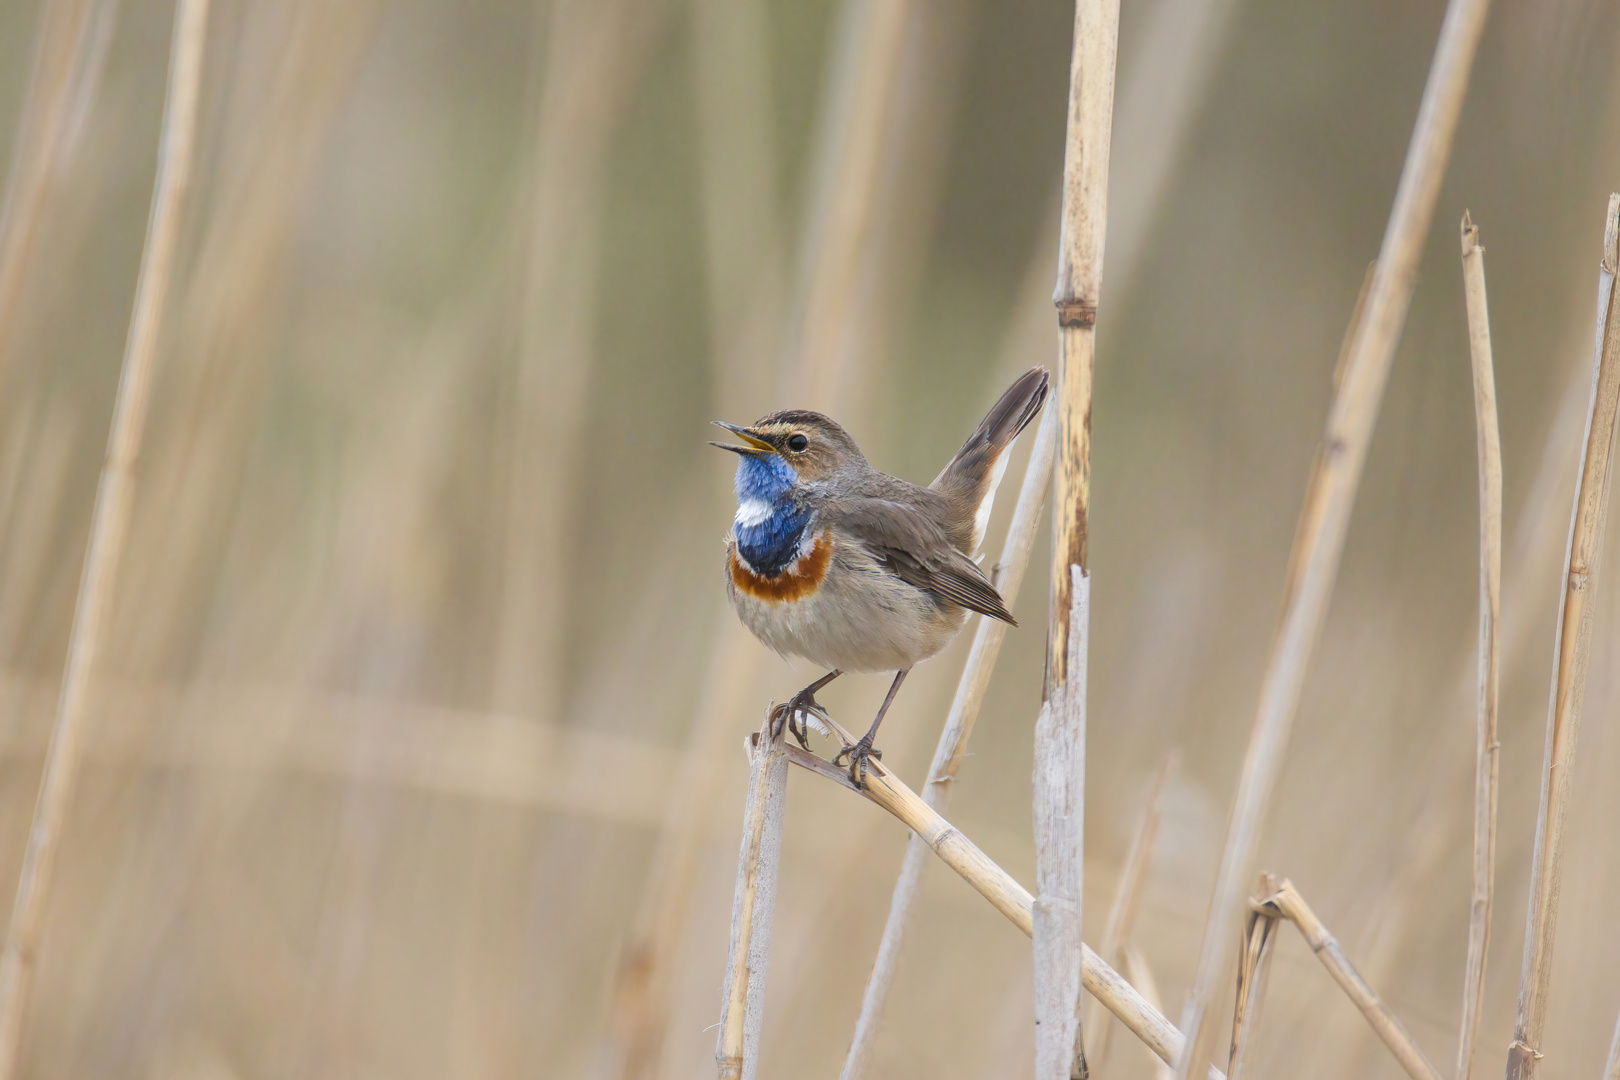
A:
[1611, 1069]
[1127, 898]
[69, 56]
[596, 51]
[1060, 729]
[1289, 904]
[1004, 893]
[1008, 576]
[857, 124]
[742, 1009]
[109, 527]
[1254, 962]
[1486, 747]
[1572, 642]
[1319, 540]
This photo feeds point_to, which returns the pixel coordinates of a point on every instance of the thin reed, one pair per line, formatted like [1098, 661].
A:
[1116, 936]
[1325, 519]
[66, 72]
[1571, 655]
[742, 1001]
[1487, 750]
[109, 528]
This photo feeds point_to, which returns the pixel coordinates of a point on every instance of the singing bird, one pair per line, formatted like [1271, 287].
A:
[856, 570]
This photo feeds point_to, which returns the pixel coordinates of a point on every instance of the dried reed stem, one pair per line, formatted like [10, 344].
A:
[1060, 787]
[1122, 915]
[1486, 749]
[856, 126]
[1571, 651]
[1288, 903]
[998, 887]
[1319, 541]
[1611, 1070]
[109, 527]
[596, 50]
[742, 1008]
[68, 59]
[1008, 576]
[1060, 730]
[1254, 962]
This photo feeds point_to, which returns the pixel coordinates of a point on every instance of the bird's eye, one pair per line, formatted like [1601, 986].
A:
[798, 443]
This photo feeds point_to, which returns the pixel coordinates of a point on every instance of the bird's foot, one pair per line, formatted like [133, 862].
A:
[795, 714]
[858, 752]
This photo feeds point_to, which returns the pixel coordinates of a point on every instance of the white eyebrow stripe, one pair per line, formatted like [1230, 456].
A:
[754, 512]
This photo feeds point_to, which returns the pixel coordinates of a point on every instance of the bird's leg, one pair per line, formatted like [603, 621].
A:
[793, 713]
[861, 750]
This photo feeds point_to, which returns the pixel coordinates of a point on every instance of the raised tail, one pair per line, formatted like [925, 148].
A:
[973, 474]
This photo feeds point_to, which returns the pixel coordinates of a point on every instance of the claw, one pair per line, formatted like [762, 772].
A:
[795, 715]
[858, 752]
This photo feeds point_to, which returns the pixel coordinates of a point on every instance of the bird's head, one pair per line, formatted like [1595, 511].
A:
[784, 449]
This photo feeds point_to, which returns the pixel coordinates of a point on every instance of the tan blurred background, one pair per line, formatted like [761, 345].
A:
[421, 708]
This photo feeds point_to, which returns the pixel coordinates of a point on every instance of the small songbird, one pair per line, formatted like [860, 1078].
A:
[856, 570]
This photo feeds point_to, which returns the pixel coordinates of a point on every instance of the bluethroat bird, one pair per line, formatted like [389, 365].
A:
[853, 569]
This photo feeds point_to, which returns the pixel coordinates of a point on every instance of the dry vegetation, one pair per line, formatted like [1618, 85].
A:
[410, 745]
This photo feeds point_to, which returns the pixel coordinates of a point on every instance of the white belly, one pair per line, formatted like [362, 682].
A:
[858, 618]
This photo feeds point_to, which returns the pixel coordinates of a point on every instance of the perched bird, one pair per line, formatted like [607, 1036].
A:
[856, 570]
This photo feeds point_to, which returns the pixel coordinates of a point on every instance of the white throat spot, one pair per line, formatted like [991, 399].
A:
[754, 512]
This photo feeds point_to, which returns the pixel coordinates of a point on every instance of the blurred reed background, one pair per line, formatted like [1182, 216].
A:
[415, 736]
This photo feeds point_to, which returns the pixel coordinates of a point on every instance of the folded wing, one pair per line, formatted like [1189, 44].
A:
[917, 550]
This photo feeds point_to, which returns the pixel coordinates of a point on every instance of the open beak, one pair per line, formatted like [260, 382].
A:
[755, 447]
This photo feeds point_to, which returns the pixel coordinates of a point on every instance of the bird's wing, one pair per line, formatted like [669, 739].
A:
[916, 549]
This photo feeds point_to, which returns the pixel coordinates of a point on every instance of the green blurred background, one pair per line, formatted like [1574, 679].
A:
[415, 748]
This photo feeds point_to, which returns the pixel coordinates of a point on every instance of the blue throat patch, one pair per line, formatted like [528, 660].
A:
[769, 545]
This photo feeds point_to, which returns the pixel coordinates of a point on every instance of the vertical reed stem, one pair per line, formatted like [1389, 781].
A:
[109, 527]
[1319, 541]
[1611, 1070]
[1486, 749]
[742, 1008]
[1571, 652]
[1122, 915]
[68, 58]
[1060, 731]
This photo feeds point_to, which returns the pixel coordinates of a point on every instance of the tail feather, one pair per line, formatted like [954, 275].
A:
[974, 473]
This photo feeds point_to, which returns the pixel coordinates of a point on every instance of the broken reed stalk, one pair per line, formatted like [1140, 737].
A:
[109, 527]
[1486, 749]
[1572, 639]
[997, 886]
[67, 67]
[1060, 729]
[1254, 962]
[1008, 577]
[742, 1003]
[1122, 915]
[1289, 904]
[1324, 520]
